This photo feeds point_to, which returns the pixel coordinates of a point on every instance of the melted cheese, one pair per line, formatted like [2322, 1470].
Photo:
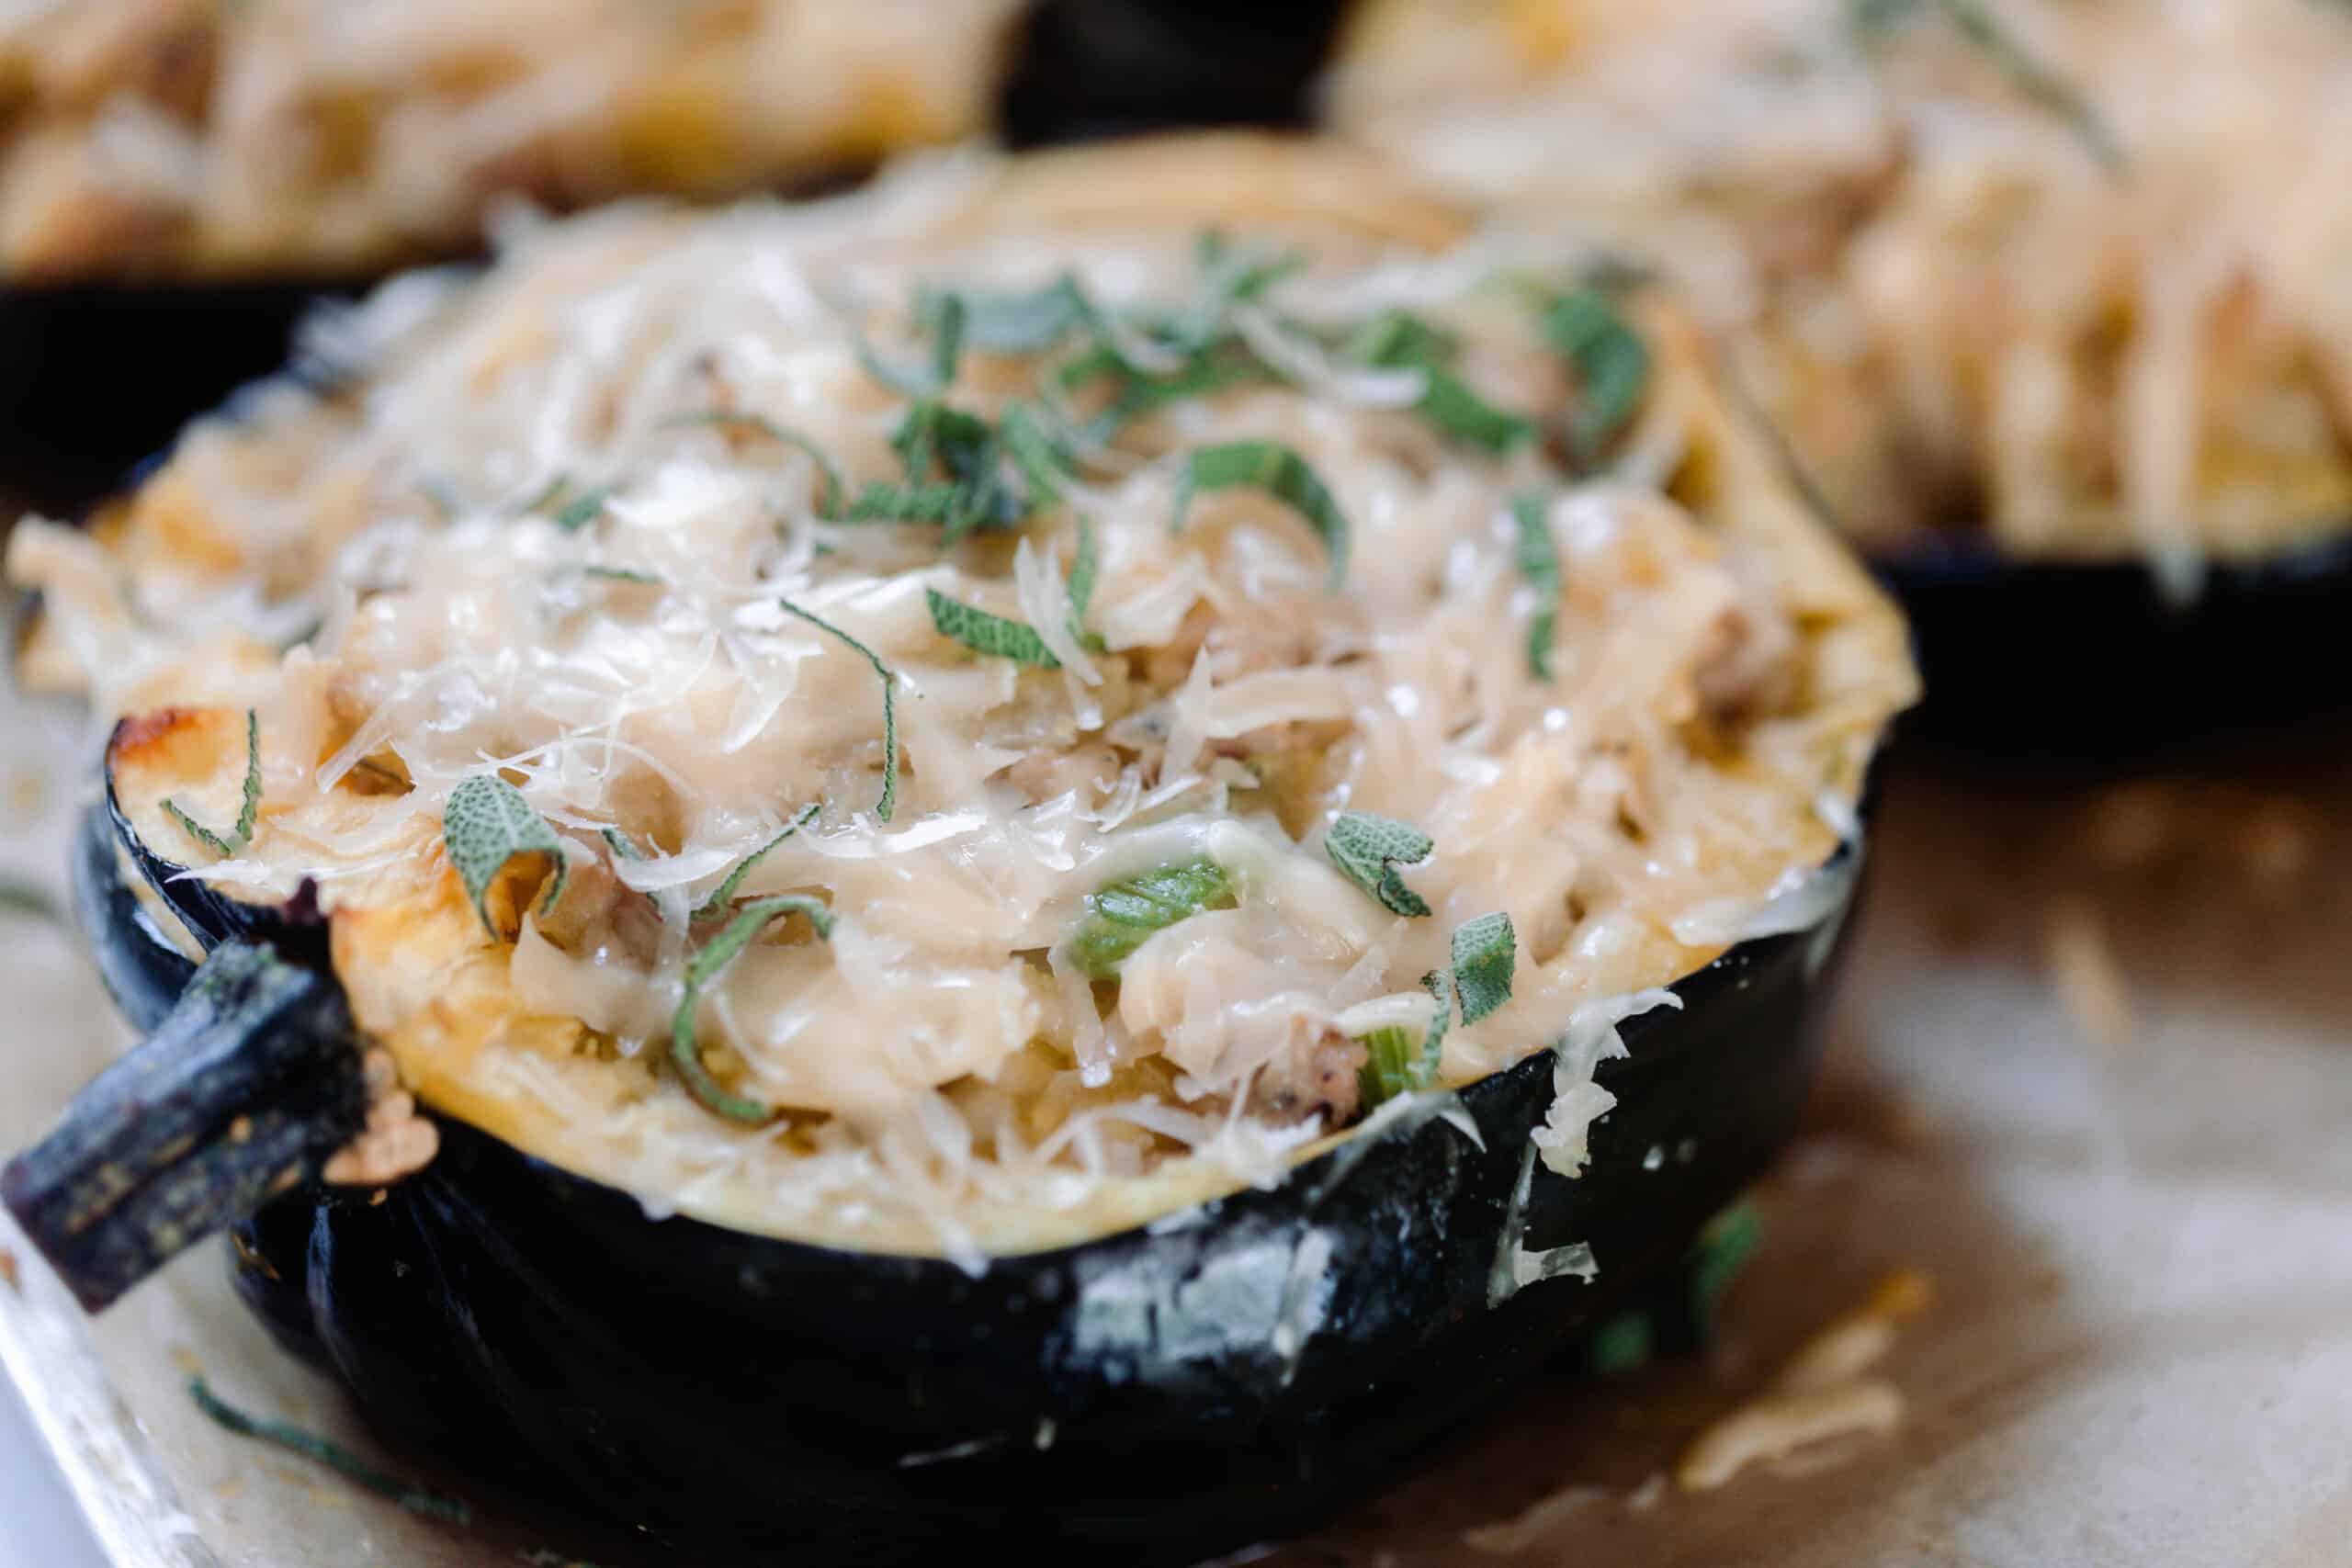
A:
[1955, 312]
[951, 1083]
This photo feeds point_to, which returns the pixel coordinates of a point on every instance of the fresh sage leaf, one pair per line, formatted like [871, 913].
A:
[1396, 1061]
[1084, 566]
[984, 633]
[1538, 556]
[1399, 340]
[309, 1445]
[882, 808]
[724, 894]
[1369, 849]
[1279, 471]
[1485, 952]
[243, 833]
[685, 1053]
[940, 315]
[1119, 917]
[577, 514]
[488, 823]
[1610, 362]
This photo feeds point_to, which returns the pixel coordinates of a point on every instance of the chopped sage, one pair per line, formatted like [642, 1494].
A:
[1399, 340]
[546, 495]
[983, 633]
[1538, 556]
[311, 1446]
[1281, 473]
[1025, 324]
[1485, 952]
[1369, 849]
[940, 315]
[577, 514]
[1036, 452]
[1610, 362]
[2035, 79]
[619, 843]
[243, 833]
[488, 823]
[1396, 1061]
[889, 802]
[1084, 566]
[686, 1053]
[724, 894]
[1121, 915]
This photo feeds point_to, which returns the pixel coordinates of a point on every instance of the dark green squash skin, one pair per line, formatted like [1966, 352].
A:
[741, 1397]
[2089, 660]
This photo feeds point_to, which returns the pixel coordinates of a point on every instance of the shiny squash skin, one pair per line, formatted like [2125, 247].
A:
[1229, 1373]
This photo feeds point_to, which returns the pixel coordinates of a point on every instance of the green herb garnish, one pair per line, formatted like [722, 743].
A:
[759, 424]
[908, 504]
[992, 634]
[1025, 324]
[311, 1446]
[243, 833]
[1231, 275]
[1715, 1259]
[622, 574]
[1084, 565]
[940, 315]
[1395, 1062]
[578, 513]
[488, 823]
[889, 802]
[1620, 1345]
[1036, 452]
[546, 496]
[701, 970]
[1484, 951]
[933, 434]
[2035, 79]
[1369, 849]
[1222, 364]
[1119, 917]
[1539, 562]
[1281, 473]
[619, 844]
[724, 894]
[1399, 340]
[1610, 362]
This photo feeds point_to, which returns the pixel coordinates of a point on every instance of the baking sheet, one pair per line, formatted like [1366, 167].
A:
[2140, 1350]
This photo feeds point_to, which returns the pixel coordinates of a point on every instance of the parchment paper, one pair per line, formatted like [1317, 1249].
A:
[2140, 1351]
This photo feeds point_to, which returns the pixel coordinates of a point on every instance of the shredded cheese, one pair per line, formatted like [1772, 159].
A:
[1820, 1393]
[947, 1082]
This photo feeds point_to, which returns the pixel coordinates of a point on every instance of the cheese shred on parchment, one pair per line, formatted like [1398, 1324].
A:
[1821, 1393]
[730, 635]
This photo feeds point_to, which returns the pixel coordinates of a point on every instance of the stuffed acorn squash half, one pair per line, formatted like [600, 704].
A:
[2013, 281]
[976, 858]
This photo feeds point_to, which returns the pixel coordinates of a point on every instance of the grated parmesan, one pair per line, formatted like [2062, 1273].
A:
[948, 1082]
